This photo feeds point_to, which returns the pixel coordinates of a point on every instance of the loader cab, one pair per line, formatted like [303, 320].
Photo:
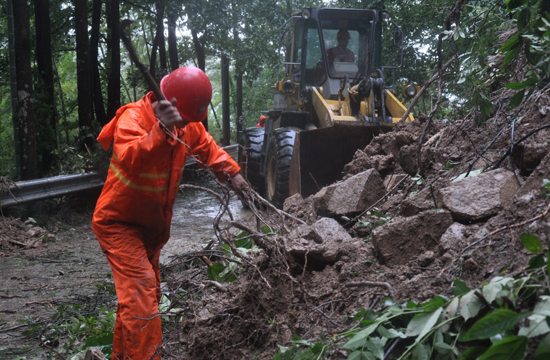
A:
[316, 56]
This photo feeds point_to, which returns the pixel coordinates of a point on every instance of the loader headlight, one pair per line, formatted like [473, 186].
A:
[288, 86]
[306, 14]
[410, 91]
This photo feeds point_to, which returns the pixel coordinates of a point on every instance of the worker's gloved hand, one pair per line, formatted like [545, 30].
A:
[168, 114]
[238, 183]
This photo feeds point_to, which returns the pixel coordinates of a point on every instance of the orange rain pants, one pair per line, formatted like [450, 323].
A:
[135, 268]
[133, 214]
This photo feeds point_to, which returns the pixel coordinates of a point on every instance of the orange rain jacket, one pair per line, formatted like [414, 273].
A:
[146, 169]
[133, 213]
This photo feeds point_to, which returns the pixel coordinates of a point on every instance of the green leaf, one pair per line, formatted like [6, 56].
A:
[421, 352]
[510, 348]
[470, 304]
[214, 270]
[473, 353]
[516, 99]
[515, 86]
[461, 288]
[361, 355]
[494, 323]
[421, 324]
[537, 262]
[531, 242]
[433, 304]
[244, 243]
[496, 288]
[360, 338]
[511, 55]
[512, 4]
[443, 348]
[376, 346]
[544, 347]
[537, 321]
[449, 313]
[511, 43]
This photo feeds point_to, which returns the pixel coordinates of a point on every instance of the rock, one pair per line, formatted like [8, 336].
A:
[297, 206]
[415, 204]
[407, 159]
[392, 180]
[422, 200]
[320, 241]
[426, 259]
[94, 354]
[470, 264]
[454, 238]
[528, 155]
[478, 197]
[404, 238]
[350, 196]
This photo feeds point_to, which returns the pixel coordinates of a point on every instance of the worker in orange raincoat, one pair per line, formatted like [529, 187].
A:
[133, 213]
[261, 122]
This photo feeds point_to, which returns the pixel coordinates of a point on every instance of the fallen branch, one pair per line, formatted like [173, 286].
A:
[508, 227]
[215, 284]
[371, 283]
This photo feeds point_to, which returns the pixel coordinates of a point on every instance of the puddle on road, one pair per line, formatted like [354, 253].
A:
[193, 219]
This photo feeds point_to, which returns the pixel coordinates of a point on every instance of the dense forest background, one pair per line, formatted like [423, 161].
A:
[72, 73]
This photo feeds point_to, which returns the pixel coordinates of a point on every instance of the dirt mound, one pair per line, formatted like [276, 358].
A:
[15, 234]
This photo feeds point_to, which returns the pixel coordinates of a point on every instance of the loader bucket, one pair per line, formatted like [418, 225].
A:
[320, 155]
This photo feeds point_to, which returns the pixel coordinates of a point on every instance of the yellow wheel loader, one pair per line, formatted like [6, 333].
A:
[333, 100]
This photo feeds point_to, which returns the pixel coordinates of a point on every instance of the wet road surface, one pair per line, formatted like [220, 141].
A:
[193, 219]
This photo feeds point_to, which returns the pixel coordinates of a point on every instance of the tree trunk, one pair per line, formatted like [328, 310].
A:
[83, 73]
[113, 48]
[25, 116]
[226, 130]
[172, 43]
[99, 108]
[239, 95]
[158, 44]
[13, 91]
[201, 61]
[201, 58]
[46, 115]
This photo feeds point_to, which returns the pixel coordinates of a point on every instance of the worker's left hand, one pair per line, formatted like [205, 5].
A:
[238, 183]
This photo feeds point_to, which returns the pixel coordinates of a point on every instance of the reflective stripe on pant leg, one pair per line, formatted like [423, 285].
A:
[138, 330]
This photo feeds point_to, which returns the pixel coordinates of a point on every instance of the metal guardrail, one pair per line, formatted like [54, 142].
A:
[41, 189]
[46, 188]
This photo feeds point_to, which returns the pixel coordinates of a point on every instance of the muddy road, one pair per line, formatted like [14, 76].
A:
[52, 276]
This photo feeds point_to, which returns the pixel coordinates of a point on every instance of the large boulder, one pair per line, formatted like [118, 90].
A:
[478, 197]
[350, 196]
[406, 238]
[321, 241]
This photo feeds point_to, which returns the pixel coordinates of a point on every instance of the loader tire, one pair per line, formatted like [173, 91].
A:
[250, 157]
[279, 154]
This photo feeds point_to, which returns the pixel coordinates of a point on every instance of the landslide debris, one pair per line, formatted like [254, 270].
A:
[408, 242]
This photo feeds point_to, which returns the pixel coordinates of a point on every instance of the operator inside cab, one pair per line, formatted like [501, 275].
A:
[341, 53]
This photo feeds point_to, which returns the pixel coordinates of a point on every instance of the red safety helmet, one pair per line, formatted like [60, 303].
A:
[192, 89]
